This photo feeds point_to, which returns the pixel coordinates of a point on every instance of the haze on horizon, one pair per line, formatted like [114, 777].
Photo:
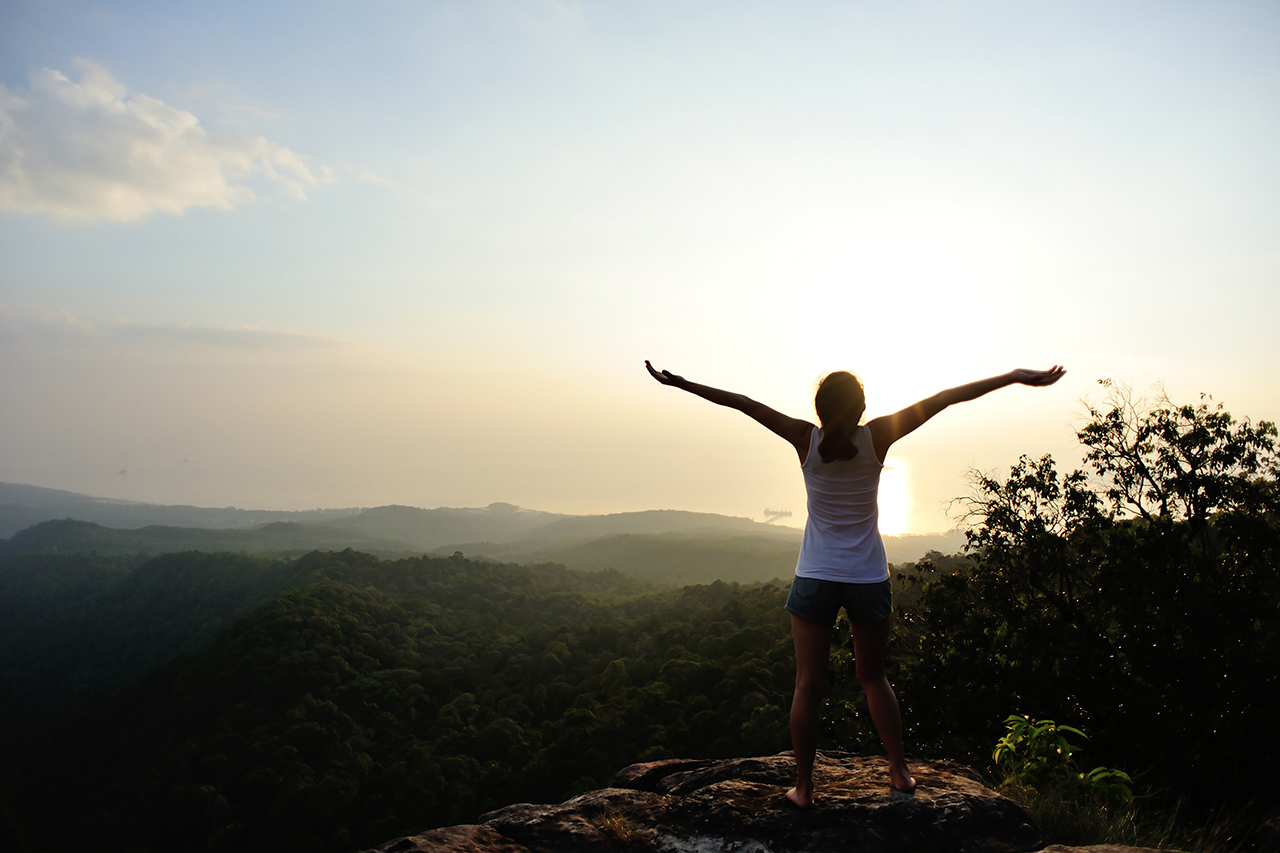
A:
[293, 255]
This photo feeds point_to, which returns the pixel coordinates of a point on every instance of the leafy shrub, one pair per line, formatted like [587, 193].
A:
[1037, 753]
[1037, 759]
[1141, 599]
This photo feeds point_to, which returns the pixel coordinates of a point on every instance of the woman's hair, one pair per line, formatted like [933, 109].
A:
[839, 402]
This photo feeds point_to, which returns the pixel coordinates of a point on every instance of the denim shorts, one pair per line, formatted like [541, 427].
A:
[816, 600]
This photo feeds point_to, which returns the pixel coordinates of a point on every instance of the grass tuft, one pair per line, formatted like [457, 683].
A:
[1072, 818]
[617, 827]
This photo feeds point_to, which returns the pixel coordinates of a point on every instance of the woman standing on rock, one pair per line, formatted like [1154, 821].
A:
[842, 560]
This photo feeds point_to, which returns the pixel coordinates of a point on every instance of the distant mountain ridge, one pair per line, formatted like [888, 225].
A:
[501, 524]
[660, 521]
[22, 506]
[69, 536]
[431, 529]
[660, 545]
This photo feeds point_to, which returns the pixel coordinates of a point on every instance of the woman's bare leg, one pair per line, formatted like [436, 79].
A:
[869, 642]
[813, 647]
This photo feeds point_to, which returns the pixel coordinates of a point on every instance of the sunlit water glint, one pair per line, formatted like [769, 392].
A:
[895, 500]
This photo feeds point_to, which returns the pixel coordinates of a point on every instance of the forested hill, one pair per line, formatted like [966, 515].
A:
[226, 702]
[507, 532]
[333, 701]
[67, 536]
[663, 546]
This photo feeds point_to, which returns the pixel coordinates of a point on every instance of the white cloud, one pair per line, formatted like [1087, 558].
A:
[64, 322]
[229, 338]
[58, 328]
[93, 150]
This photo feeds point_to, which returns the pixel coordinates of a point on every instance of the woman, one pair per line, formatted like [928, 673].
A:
[842, 560]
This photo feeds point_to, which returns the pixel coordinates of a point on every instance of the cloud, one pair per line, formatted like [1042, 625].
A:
[58, 328]
[93, 150]
[229, 337]
[64, 322]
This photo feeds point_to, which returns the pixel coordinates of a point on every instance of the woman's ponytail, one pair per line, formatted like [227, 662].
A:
[835, 444]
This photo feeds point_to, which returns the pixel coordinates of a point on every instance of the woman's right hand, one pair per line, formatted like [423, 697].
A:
[666, 377]
[1038, 378]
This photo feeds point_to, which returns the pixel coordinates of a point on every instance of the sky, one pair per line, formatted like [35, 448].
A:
[288, 255]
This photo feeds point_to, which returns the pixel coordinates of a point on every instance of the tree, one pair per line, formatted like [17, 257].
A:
[1179, 461]
[1142, 602]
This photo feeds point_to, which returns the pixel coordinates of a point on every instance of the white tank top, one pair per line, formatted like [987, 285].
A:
[842, 535]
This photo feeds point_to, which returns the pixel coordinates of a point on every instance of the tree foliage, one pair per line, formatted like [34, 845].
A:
[373, 698]
[221, 702]
[1185, 462]
[1141, 600]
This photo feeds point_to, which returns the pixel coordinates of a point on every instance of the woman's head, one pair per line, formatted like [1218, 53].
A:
[839, 402]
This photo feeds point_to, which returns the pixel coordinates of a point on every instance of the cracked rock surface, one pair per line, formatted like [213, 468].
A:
[737, 806]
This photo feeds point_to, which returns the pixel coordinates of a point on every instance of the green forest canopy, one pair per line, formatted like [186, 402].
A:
[336, 700]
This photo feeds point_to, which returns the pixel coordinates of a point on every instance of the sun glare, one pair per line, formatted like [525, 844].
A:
[895, 500]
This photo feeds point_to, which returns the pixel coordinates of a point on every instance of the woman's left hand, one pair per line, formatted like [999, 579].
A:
[666, 377]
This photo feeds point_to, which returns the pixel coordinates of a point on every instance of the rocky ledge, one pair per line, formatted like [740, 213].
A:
[738, 805]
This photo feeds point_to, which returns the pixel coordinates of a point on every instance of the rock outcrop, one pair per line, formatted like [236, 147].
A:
[738, 805]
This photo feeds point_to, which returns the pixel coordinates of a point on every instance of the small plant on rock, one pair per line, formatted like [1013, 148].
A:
[617, 827]
[1036, 758]
[1038, 754]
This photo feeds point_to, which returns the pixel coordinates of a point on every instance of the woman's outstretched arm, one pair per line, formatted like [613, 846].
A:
[794, 430]
[889, 428]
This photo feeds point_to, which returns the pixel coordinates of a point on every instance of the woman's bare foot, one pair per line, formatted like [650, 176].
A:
[900, 780]
[799, 800]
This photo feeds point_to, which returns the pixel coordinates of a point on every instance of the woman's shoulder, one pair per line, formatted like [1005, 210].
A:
[809, 445]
